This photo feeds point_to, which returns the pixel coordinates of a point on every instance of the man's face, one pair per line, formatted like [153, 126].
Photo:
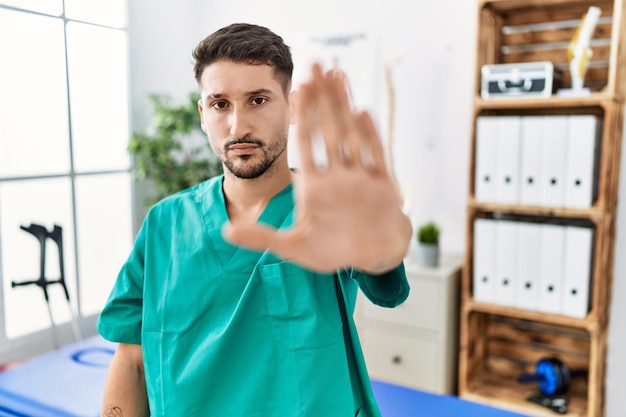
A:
[246, 116]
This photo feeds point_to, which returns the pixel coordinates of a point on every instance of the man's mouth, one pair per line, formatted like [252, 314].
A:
[241, 146]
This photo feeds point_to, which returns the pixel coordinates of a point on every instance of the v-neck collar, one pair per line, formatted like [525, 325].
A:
[216, 216]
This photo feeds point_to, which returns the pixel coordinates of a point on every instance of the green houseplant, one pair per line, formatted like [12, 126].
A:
[173, 153]
[428, 244]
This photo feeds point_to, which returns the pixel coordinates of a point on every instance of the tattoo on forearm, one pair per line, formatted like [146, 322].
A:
[112, 411]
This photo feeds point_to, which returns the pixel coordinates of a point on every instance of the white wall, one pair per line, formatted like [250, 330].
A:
[162, 36]
[434, 82]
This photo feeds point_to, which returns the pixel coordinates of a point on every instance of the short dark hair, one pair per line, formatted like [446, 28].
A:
[244, 42]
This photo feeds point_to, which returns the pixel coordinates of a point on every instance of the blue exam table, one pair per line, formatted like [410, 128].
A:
[69, 382]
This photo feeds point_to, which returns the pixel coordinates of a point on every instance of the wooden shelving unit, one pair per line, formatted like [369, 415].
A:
[498, 343]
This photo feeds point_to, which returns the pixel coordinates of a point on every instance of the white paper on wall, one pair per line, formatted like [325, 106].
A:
[357, 55]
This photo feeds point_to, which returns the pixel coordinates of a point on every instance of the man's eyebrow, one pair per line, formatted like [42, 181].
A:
[260, 91]
[256, 92]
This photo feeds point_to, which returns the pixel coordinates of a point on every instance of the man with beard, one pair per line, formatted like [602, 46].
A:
[236, 299]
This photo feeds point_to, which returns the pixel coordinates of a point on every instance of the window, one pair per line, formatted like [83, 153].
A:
[63, 134]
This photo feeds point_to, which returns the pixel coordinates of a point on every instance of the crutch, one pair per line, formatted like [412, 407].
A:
[41, 233]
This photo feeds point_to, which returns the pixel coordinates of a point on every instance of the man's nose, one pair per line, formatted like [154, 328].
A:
[239, 123]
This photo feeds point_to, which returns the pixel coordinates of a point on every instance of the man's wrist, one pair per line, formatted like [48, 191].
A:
[394, 253]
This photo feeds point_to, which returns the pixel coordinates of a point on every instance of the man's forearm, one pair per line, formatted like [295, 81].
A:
[125, 390]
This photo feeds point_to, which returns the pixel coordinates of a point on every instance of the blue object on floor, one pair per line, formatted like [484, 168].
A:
[68, 382]
[397, 401]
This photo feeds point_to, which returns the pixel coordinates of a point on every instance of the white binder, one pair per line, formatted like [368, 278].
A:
[485, 168]
[506, 239]
[578, 261]
[554, 139]
[507, 159]
[530, 170]
[528, 266]
[551, 268]
[484, 260]
[581, 151]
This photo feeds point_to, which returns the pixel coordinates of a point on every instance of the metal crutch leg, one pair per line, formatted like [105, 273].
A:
[57, 236]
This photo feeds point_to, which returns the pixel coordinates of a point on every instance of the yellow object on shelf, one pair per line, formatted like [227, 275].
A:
[579, 53]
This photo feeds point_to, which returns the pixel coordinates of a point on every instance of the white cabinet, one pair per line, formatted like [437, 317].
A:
[415, 344]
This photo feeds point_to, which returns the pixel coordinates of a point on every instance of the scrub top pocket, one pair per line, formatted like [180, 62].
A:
[302, 306]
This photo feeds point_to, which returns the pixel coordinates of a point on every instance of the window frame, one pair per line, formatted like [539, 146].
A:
[40, 341]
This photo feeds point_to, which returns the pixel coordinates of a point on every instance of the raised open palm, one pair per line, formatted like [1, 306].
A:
[348, 209]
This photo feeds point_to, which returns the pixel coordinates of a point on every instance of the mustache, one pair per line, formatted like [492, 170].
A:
[243, 140]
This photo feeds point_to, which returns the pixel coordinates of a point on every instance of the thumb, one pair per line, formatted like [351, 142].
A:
[256, 236]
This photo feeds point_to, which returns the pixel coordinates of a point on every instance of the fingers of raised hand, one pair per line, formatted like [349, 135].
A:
[371, 148]
[306, 127]
[325, 113]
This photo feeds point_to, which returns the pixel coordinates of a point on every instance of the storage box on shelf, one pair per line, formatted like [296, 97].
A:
[415, 344]
[500, 341]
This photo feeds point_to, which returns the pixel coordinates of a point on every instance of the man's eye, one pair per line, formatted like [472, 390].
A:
[258, 100]
[219, 105]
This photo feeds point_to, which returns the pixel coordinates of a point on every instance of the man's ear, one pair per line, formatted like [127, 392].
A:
[293, 107]
[201, 118]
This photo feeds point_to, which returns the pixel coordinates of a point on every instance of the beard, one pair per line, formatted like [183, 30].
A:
[245, 166]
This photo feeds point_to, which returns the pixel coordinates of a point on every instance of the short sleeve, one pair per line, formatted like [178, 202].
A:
[121, 319]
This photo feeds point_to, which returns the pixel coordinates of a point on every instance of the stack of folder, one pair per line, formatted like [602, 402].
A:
[545, 267]
[543, 161]
[537, 160]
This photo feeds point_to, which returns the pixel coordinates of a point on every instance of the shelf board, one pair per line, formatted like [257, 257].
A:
[538, 316]
[503, 391]
[594, 213]
[593, 100]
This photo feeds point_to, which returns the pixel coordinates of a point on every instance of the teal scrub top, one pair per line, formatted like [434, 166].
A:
[226, 331]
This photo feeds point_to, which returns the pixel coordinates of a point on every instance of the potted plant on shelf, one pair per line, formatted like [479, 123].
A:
[173, 153]
[428, 244]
